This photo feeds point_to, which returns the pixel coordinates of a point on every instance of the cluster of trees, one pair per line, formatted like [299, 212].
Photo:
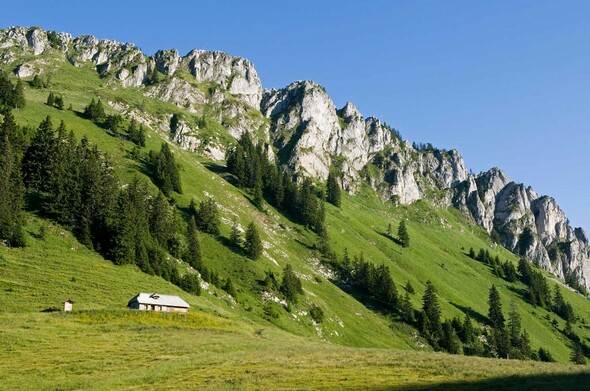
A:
[11, 183]
[253, 170]
[290, 286]
[55, 100]
[375, 281]
[11, 95]
[504, 270]
[38, 83]
[251, 244]
[165, 170]
[73, 183]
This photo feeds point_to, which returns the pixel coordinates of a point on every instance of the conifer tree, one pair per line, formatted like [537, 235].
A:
[208, 217]
[11, 192]
[495, 308]
[38, 157]
[193, 248]
[19, 95]
[403, 235]
[406, 309]
[291, 286]
[432, 327]
[514, 327]
[577, 355]
[235, 236]
[50, 99]
[450, 341]
[389, 230]
[333, 194]
[253, 243]
[167, 175]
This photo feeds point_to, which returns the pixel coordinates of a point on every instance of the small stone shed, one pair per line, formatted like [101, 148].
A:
[157, 302]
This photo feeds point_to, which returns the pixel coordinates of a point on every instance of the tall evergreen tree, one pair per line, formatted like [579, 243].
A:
[253, 243]
[514, 327]
[193, 248]
[495, 308]
[406, 309]
[333, 190]
[19, 95]
[208, 217]
[577, 355]
[11, 192]
[291, 286]
[166, 171]
[432, 327]
[403, 235]
[39, 156]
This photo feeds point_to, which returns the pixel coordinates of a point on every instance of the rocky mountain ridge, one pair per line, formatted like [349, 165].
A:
[311, 137]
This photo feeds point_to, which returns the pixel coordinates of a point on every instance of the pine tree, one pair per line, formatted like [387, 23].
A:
[525, 345]
[258, 199]
[11, 191]
[430, 307]
[235, 236]
[406, 309]
[38, 157]
[50, 99]
[167, 175]
[514, 327]
[468, 335]
[495, 308]
[208, 217]
[450, 341]
[402, 233]
[333, 194]
[59, 102]
[253, 244]
[291, 286]
[389, 230]
[577, 355]
[19, 95]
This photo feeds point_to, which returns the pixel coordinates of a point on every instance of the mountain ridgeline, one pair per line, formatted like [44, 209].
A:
[308, 136]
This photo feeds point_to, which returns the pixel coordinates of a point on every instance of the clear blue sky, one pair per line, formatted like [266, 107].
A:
[504, 82]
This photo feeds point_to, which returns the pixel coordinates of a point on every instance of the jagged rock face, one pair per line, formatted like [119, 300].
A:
[131, 67]
[311, 136]
[500, 205]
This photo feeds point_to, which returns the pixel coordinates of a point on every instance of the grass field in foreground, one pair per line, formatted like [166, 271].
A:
[105, 350]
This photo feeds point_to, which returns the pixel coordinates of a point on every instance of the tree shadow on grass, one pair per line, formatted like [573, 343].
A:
[550, 382]
[221, 171]
[471, 312]
[389, 237]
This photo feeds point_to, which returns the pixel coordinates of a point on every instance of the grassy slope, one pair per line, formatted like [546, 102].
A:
[41, 275]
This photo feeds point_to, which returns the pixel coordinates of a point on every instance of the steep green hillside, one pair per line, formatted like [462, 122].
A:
[54, 267]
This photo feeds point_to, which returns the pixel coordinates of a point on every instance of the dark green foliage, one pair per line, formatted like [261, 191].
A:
[37, 83]
[11, 95]
[572, 281]
[112, 122]
[166, 174]
[229, 288]
[11, 186]
[525, 240]
[95, 111]
[59, 102]
[50, 99]
[431, 326]
[252, 169]
[253, 243]
[472, 253]
[514, 328]
[19, 95]
[509, 272]
[577, 355]
[190, 283]
[39, 156]
[208, 217]
[376, 281]
[563, 308]
[291, 286]
[495, 308]
[450, 341]
[136, 134]
[403, 235]
[316, 313]
[193, 248]
[544, 355]
[406, 309]
[389, 230]
[333, 195]
[235, 236]
[410, 288]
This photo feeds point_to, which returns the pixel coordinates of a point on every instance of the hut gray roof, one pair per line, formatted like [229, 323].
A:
[157, 299]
